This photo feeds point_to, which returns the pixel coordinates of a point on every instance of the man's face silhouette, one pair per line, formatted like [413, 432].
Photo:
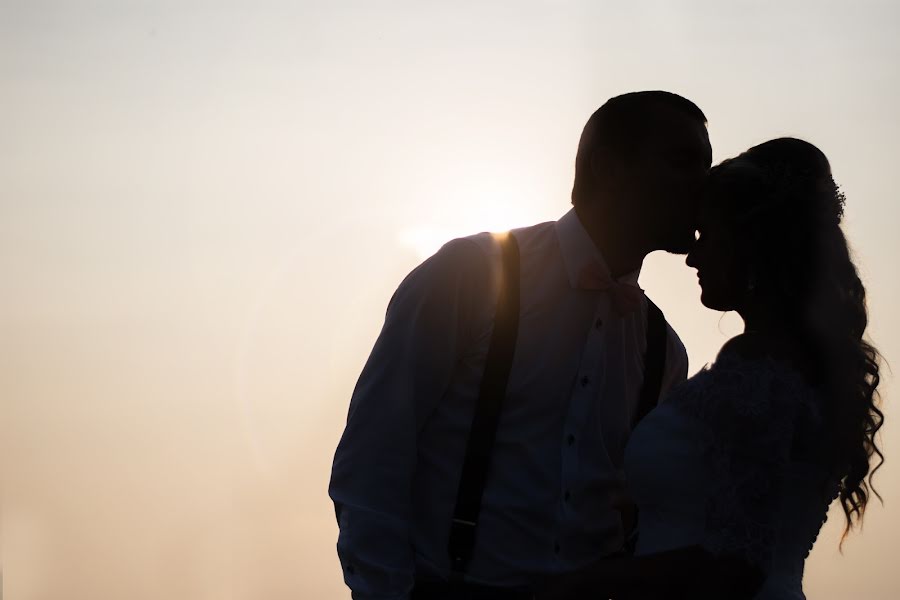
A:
[663, 182]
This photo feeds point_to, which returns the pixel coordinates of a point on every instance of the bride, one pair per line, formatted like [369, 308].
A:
[734, 472]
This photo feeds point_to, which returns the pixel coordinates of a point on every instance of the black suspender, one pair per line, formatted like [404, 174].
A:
[477, 460]
[654, 362]
[487, 412]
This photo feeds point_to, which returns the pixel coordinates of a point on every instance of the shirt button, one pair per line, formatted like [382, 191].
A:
[599, 323]
[585, 381]
[570, 439]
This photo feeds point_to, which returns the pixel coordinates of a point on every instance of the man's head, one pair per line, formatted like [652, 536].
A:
[642, 161]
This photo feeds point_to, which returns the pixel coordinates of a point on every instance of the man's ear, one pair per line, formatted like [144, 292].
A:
[605, 166]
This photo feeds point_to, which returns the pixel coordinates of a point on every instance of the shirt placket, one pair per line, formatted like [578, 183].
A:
[584, 394]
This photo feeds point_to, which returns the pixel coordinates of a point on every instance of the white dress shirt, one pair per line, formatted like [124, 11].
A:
[556, 471]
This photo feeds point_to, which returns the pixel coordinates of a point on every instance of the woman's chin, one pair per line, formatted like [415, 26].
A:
[714, 302]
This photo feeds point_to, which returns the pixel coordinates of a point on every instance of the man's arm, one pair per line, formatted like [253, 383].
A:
[427, 329]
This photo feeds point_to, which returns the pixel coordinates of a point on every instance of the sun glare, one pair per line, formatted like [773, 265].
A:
[493, 210]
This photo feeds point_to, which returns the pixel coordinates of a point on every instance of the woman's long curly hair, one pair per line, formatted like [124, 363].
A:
[784, 210]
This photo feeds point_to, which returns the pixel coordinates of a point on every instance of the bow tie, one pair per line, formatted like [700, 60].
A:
[625, 296]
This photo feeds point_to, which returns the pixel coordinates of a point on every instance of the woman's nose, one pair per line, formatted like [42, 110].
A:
[691, 259]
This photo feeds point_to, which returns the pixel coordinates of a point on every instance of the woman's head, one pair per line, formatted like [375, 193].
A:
[761, 221]
[771, 247]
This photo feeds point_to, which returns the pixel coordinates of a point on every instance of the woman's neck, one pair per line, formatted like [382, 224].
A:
[770, 332]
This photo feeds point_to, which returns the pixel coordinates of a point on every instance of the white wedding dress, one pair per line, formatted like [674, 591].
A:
[732, 461]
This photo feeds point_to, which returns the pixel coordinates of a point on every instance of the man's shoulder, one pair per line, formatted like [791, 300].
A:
[470, 256]
[538, 233]
[486, 245]
[461, 263]
[526, 235]
[475, 260]
[482, 244]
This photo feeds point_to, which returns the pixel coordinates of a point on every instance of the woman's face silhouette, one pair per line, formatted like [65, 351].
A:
[723, 274]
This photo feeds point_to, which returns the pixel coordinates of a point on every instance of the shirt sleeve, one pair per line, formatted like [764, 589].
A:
[429, 324]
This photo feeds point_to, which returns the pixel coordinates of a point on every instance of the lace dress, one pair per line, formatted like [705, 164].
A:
[731, 461]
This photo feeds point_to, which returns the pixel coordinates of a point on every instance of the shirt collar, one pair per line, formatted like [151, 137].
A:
[579, 250]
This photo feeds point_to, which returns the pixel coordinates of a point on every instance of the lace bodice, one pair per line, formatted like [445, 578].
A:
[731, 461]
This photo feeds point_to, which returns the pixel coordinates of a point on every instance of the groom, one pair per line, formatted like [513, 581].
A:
[484, 441]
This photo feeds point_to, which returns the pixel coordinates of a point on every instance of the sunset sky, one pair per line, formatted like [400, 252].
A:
[207, 205]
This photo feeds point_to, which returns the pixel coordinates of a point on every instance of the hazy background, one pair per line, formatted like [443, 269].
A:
[206, 206]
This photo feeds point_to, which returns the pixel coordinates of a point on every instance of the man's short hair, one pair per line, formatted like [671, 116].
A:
[623, 125]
